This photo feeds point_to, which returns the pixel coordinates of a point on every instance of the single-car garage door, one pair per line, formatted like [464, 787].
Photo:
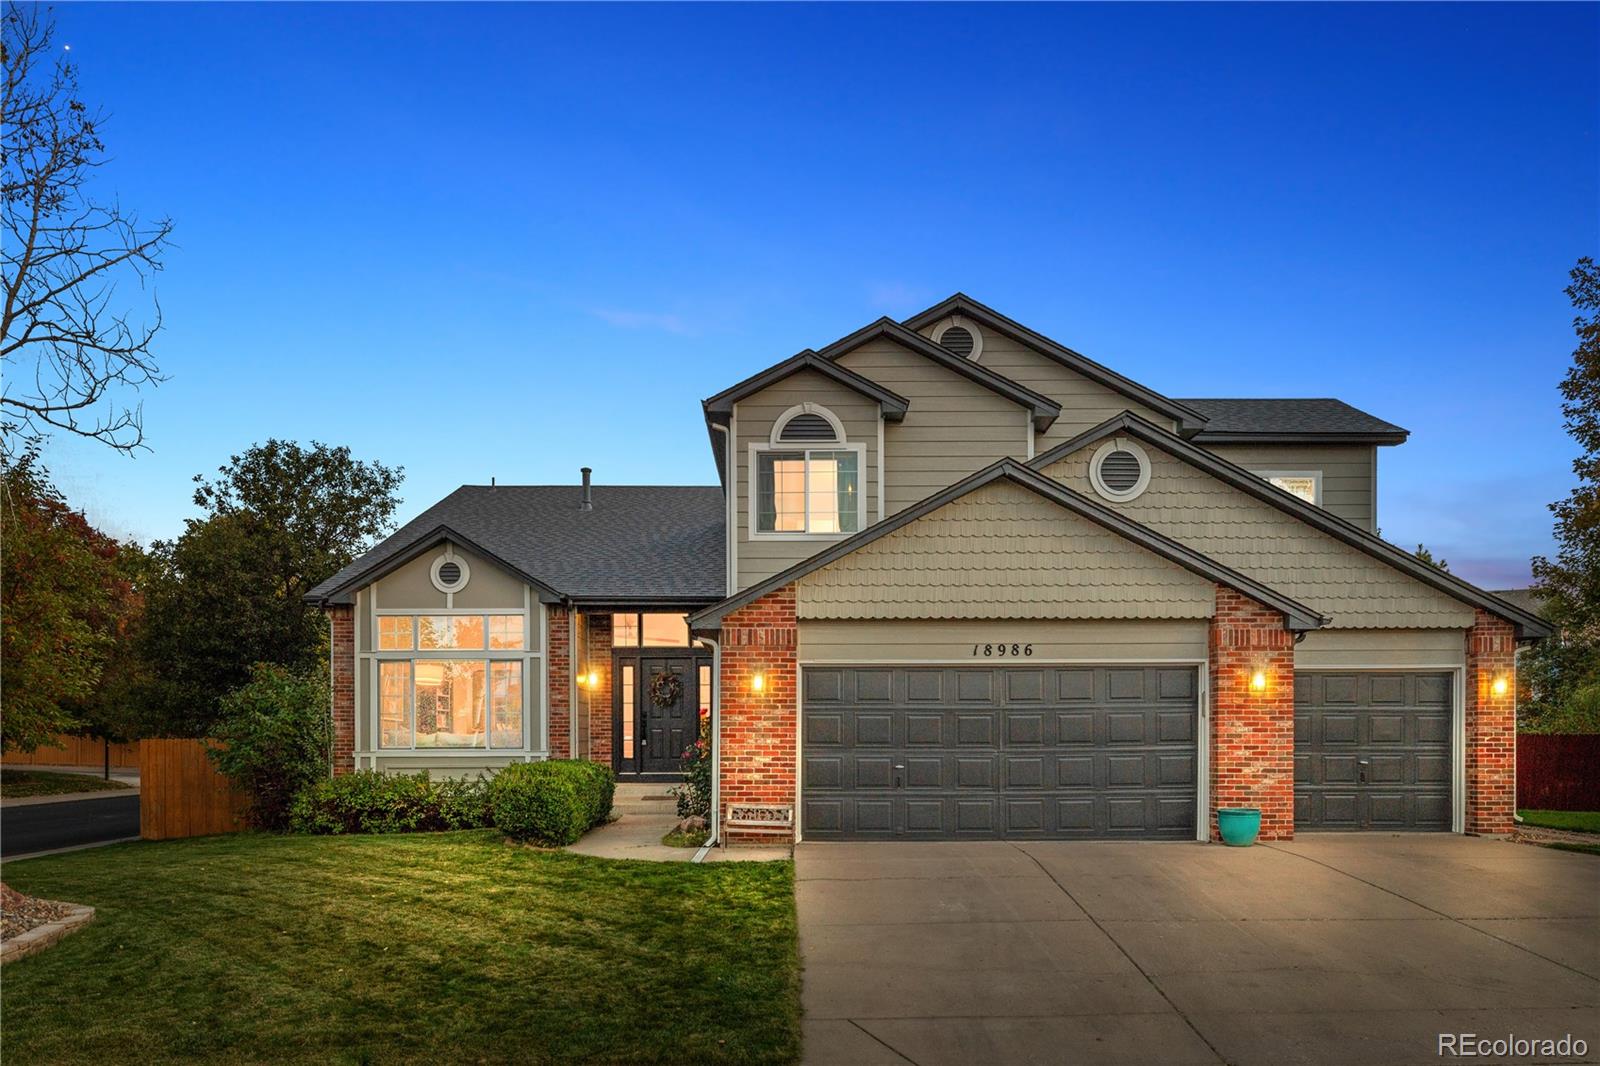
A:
[973, 752]
[1372, 751]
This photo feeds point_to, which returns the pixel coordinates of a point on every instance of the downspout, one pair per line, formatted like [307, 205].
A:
[332, 717]
[714, 823]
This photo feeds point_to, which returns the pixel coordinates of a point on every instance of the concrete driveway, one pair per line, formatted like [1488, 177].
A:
[1337, 949]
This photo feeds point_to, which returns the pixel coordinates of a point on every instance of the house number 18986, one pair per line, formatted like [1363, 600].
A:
[990, 651]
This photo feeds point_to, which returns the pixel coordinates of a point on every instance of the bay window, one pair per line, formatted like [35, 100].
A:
[808, 491]
[433, 698]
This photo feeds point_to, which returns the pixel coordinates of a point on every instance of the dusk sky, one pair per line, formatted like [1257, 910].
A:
[509, 241]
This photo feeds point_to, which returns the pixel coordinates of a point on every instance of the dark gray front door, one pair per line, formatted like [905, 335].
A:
[984, 752]
[1372, 751]
[665, 730]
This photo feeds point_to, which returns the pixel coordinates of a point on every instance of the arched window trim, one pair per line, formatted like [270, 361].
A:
[808, 408]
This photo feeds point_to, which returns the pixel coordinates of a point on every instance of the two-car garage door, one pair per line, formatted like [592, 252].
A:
[1012, 752]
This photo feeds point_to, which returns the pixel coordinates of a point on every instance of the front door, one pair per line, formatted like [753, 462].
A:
[655, 721]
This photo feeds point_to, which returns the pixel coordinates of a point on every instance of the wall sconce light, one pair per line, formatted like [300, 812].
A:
[758, 681]
[1499, 685]
[1258, 681]
[590, 679]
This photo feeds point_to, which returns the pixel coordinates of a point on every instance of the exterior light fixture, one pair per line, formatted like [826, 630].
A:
[1499, 685]
[589, 680]
[1258, 681]
[758, 681]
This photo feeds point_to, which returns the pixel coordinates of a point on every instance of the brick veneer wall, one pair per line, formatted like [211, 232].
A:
[597, 658]
[557, 699]
[1252, 733]
[342, 620]
[1491, 749]
[758, 729]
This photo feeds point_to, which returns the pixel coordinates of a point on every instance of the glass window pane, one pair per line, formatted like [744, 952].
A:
[834, 489]
[704, 678]
[394, 684]
[394, 633]
[627, 712]
[624, 631]
[505, 705]
[1303, 487]
[449, 703]
[780, 492]
[666, 631]
[450, 631]
[505, 631]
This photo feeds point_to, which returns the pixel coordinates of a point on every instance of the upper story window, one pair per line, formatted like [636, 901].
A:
[1306, 484]
[808, 479]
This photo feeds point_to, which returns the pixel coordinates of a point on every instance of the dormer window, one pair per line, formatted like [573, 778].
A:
[808, 479]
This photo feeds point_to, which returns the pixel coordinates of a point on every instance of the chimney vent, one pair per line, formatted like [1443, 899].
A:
[588, 495]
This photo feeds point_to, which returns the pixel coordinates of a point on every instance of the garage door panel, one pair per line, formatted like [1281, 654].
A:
[1372, 751]
[1031, 752]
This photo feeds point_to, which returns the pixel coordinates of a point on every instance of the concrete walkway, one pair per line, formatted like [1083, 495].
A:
[1337, 949]
[644, 814]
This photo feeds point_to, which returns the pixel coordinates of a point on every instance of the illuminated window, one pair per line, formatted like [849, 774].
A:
[624, 631]
[627, 712]
[666, 631]
[394, 633]
[808, 492]
[394, 691]
[505, 631]
[704, 678]
[505, 705]
[1306, 484]
[448, 631]
[449, 703]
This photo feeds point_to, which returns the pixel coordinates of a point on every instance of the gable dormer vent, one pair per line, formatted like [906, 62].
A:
[959, 340]
[806, 429]
[1120, 471]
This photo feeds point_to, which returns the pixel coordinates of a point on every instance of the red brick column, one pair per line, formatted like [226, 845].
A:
[759, 728]
[559, 707]
[342, 619]
[597, 659]
[1252, 732]
[1491, 755]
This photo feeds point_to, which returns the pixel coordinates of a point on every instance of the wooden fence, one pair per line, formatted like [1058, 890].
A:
[182, 795]
[1558, 772]
[76, 751]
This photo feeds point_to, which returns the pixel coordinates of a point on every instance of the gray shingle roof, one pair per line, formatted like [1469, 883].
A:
[1318, 419]
[639, 542]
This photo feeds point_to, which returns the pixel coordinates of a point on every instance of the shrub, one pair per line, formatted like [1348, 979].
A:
[276, 734]
[694, 795]
[369, 801]
[553, 802]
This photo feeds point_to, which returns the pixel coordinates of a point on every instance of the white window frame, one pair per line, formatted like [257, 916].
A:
[1314, 475]
[776, 437]
[752, 497]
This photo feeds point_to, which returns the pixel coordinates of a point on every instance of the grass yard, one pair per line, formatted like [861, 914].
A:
[15, 783]
[1571, 821]
[449, 947]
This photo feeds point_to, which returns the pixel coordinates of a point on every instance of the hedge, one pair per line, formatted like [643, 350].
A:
[372, 802]
[553, 802]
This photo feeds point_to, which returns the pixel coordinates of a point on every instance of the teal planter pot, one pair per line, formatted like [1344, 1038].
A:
[1239, 826]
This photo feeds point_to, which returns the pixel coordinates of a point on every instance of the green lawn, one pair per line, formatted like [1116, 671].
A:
[1572, 821]
[45, 783]
[450, 947]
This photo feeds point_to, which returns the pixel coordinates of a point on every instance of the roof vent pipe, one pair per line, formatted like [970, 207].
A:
[588, 496]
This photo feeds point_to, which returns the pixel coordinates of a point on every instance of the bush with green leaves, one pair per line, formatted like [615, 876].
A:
[275, 735]
[553, 802]
[694, 795]
[369, 801]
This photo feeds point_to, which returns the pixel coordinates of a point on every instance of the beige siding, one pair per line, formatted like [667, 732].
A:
[936, 641]
[1084, 403]
[1002, 548]
[410, 588]
[761, 557]
[1400, 648]
[1347, 472]
[955, 426]
[1352, 588]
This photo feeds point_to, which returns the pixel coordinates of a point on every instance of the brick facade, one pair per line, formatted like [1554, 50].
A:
[342, 621]
[596, 659]
[759, 729]
[1252, 732]
[1491, 749]
[560, 681]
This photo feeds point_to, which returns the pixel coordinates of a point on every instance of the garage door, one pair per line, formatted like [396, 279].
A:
[1372, 751]
[976, 752]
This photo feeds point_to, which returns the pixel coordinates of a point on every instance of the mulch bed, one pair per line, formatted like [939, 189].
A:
[19, 913]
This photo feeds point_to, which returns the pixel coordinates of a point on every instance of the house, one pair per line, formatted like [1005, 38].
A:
[956, 581]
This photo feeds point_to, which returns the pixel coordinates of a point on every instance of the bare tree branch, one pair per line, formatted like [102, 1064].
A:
[63, 258]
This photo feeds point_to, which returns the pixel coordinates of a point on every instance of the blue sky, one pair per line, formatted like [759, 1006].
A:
[512, 240]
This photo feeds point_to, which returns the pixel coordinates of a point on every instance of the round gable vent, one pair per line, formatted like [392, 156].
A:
[1119, 470]
[958, 339]
[956, 334]
[449, 573]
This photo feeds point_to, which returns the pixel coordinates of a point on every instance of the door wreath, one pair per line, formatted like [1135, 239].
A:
[666, 689]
